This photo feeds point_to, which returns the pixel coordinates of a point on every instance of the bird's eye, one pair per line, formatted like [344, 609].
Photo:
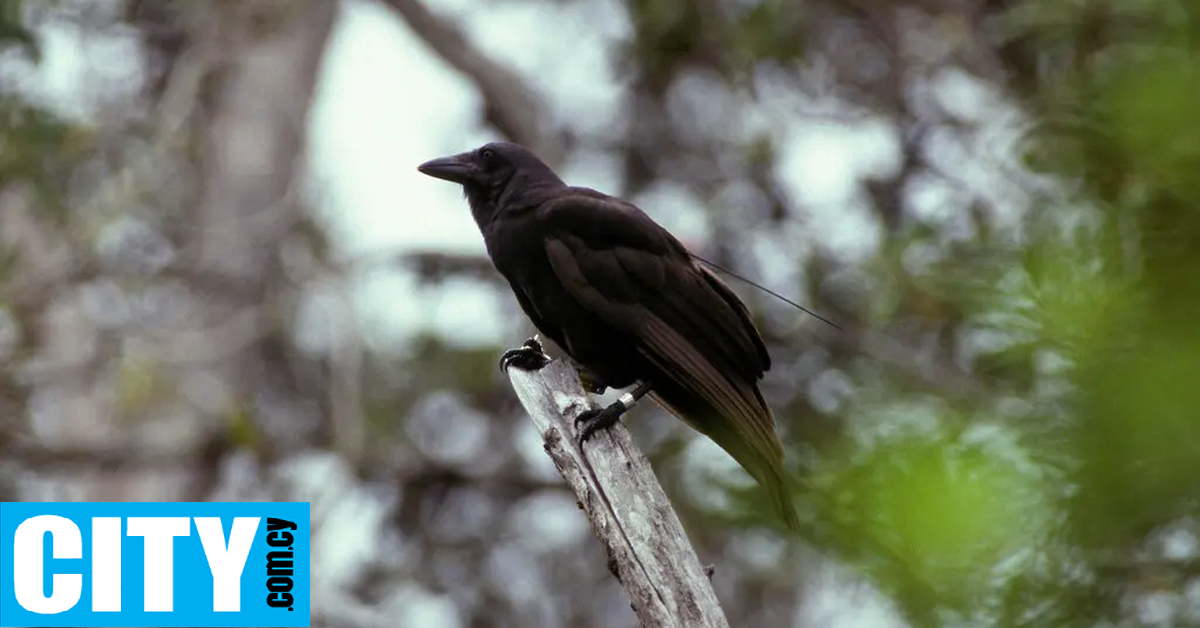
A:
[487, 154]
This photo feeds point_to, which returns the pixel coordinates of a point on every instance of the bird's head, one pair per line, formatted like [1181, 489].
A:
[495, 176]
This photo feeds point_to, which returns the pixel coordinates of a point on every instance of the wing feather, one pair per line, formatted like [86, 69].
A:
[631, 273]
[667, 348]
[623, 268]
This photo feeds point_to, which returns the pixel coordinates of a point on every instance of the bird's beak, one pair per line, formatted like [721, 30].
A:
[456, 168]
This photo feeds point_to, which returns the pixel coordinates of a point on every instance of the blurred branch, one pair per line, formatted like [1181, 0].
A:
[436, 266]
[345, 385]
[510, 104]
[241, 219]
[429, 265]
[34, 455]
[648, 551]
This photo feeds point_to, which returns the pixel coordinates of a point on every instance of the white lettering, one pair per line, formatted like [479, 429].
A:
[106, 564]
[65, 542]
[159, 533]
[225, 563]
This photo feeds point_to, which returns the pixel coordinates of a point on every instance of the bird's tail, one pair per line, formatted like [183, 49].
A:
[761, 457]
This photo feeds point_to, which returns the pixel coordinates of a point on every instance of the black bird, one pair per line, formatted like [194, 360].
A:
[626, 301]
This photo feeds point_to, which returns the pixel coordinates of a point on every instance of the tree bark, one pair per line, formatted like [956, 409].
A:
[648, 551]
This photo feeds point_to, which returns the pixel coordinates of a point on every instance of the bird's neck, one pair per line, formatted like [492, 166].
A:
[483, 202]
[518, 194]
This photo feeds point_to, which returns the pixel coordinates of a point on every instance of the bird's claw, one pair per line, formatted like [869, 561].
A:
[527, 357]
[594, 420]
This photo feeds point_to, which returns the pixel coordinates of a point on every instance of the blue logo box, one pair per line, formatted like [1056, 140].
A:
[154, 564]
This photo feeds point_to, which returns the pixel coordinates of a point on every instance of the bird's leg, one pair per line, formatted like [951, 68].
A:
[527, 357]
[590, 382]
[592, 421]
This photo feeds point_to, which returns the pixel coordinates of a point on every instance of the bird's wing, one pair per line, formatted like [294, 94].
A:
[626, 269]
[543, 323]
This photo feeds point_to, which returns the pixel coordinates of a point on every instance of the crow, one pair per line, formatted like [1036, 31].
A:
[628, 304]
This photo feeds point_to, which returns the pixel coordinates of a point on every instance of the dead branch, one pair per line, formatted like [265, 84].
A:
[648, 550]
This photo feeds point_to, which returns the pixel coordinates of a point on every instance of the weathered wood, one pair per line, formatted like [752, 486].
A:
[648, 550]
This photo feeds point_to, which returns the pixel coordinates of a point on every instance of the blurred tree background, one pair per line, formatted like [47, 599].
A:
[1002, 436]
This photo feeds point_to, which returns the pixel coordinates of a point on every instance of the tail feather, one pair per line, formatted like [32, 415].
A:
[764, 462]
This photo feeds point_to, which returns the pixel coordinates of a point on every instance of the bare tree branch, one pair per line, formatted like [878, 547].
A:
[126, 456]
[648, 551]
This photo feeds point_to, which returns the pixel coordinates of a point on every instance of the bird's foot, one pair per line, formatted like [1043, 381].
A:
[527, 357]
[594, 420]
